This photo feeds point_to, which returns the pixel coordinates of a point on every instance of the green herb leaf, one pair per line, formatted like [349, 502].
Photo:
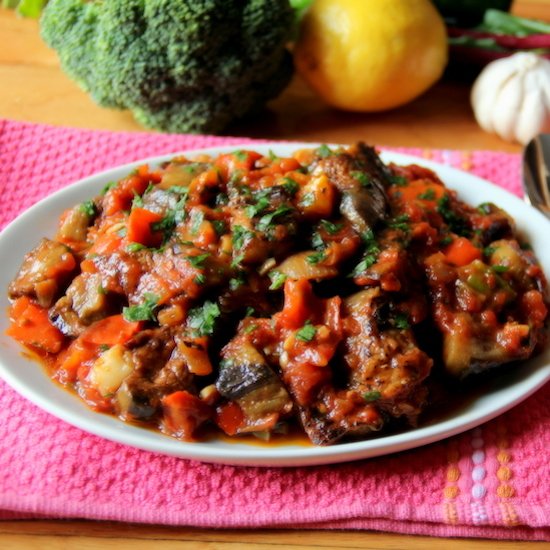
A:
[144, 311]
[401, 321]
[500, 268]
[200, 279]
[240, 236]
[331, 228]
[198, 260]
[220, 227]
[277, 279]
[400, 181]
[240, 155]
[88, 207]
[428, 195]
[236, 282]
[135, 247]
[362, 178]
[371, 396]
[267, 220]
[456, 222]
[290, 186]
[254, 209]
[108, 187]
[400, 222]
[202, 319]
[307, 200]
[324, 151]
[306, 333]
[197, 217]
[316, 257]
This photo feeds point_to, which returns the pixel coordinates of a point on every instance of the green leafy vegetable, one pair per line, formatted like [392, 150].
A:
[307, 332]
[202, 319]
[371, 396]
[144, 311]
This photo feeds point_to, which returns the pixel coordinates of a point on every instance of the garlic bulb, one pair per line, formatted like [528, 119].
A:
[511, 97]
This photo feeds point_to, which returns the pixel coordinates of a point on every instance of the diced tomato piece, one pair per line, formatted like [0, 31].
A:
[140, 228]
[184, 413]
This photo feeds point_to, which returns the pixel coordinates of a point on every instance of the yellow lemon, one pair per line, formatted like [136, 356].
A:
[371, 55]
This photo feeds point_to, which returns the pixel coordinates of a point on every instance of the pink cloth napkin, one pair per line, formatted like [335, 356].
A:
[492, 481]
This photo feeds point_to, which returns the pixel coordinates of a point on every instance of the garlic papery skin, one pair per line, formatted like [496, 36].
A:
[511, 97]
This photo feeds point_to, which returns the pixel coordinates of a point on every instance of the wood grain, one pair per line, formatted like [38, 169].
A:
[36, 90]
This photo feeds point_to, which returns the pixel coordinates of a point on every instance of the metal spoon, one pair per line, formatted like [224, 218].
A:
[536, 173]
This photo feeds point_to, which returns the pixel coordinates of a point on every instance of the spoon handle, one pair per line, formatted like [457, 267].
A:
[536, 172]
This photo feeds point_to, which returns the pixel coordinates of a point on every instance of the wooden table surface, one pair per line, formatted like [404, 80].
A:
[34, 89]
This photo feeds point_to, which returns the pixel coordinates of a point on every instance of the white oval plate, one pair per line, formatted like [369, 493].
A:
[29, 378]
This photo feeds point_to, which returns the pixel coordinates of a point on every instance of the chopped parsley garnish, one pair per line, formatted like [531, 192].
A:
[101, 290]
[104, 347]
[272, 155]
[267, 220]
[197, 217]
[221, 199]
[202, 319]
[236, 282]
[331, 228]
[290, 186]
[371, 254]
[324, 151]
[371, 396]
[236, 261]
[446, 241]
[362, 178]
[316, 257]
[200, 279]
[277, 279]
[485, 208]
[317, 241]
[108, 187]
[250, 328]
[363, 265]
[307, 332]
[240, 155]
[428, 195]
[178, 190]
[489, 251]
[88, 207]
[400, 222]
[122, 232]
[500, 268]
[198, 260]
[240, 236]
[137, 202]
[457, 223]
[135, 247]
[144, 311]
[401, 321]
[249, 311]
[400, 181]
[254, 209]
[220, 227]
[307, 200]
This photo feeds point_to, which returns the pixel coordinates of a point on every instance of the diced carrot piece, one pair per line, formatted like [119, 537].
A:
[462, 252]
[183, 413]
[196, 357]
[230, 418]
[31, 326]
[297, 306]
[140, 227]
[110, 331]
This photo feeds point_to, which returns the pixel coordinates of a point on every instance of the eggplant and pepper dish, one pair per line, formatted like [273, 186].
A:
[244, 293]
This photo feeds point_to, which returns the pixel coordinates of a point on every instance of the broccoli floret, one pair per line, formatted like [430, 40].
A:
[178, 65]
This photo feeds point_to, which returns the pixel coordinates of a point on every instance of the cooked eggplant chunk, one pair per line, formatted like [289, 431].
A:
[44, 273]
[362, 180]
[248, 292]
[246, 379]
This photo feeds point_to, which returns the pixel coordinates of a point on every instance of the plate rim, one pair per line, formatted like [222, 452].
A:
[277, 455]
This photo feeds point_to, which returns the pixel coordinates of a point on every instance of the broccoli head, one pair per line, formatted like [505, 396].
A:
[178, 65]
